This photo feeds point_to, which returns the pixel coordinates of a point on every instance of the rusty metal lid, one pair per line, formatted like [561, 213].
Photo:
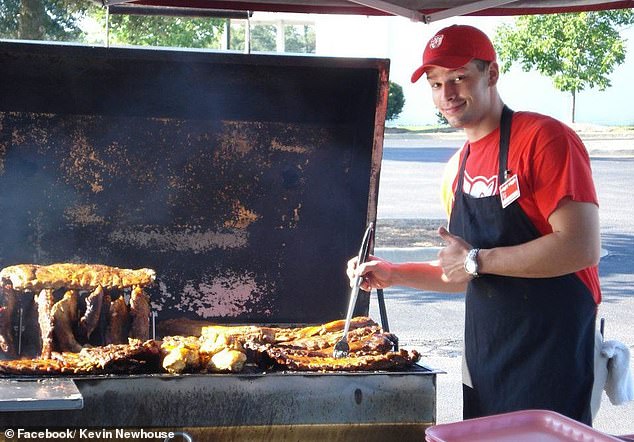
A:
[246, 182]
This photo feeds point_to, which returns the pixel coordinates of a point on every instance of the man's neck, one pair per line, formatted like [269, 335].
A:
[488, 124]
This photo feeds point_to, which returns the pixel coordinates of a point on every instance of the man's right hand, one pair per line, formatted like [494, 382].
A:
[376, 273]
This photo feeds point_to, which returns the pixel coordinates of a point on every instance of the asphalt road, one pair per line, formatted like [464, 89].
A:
[433, 322]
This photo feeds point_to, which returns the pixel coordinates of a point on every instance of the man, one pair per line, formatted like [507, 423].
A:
[522, 240]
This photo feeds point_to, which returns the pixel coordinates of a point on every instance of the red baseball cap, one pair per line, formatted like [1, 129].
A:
[455, 46]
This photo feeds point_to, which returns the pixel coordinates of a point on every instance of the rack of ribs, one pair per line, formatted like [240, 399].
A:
[92, 311]
[32, 277]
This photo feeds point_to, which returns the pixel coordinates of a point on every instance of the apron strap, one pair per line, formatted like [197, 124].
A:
[505, 137]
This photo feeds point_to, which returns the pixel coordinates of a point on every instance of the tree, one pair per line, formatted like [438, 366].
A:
[575, 50]
[43, 19]
[299, 39]
[165, 31]
[395, 101]
[60, 20]
[263, 38]
[440, 119]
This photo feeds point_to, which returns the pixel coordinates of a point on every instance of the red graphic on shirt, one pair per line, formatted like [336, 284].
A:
[479, 186]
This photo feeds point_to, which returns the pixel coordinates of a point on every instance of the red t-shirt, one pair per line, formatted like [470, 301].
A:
[551, 163]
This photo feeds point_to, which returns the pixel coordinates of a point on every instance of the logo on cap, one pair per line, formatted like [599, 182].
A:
[436, 41]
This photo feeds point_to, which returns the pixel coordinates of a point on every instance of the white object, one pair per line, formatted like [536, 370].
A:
[611, 373]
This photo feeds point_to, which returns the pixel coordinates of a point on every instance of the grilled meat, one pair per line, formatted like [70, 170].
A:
[33, 277]
[32, 367]
[212, 345]
[370, 349]
[227, 360]
[133, 357]
[292, 334]
[45, 302]
[117, 328]
[104, 319]
[140, 314]
[89, 321]
[288, 360]
[180, 353]
[7, 308]
[242, 333]
[65, 314]
[223, 349]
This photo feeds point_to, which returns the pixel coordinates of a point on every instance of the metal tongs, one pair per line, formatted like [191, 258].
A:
[341, 347]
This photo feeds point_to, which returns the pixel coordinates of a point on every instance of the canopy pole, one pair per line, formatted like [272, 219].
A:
[391, 8]
[465, 9]
[414, 15]
[107, 26]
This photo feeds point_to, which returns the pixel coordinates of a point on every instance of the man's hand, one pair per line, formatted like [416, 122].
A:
[451, 258]
[376, 273]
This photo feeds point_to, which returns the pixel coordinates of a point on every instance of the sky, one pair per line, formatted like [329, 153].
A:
[402, 41]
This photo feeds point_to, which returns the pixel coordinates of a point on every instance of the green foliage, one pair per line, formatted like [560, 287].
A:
[395, 101]
[55, 20]
[263, 38]
[440, 119]
[299, 39]
[60, 20]
[575, 50]
[165, 31]
[236, 34]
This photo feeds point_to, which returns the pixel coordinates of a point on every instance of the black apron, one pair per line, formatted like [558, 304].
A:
[529, 342]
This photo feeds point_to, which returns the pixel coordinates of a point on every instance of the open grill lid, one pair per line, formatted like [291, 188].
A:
[418, 10]
[246, 182]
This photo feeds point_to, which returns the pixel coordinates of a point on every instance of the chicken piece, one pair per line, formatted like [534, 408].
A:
[213, 344]
[180, 353]
[117, 328]
[7, 307]
[65, 314]
[227, 360]
[89, 321]
[75, 276]
[45, 302]
[140, 313]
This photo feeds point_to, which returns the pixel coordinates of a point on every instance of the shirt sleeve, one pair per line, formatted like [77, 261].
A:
[560, 168]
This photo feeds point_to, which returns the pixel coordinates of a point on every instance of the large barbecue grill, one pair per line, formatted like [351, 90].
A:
[245, 182]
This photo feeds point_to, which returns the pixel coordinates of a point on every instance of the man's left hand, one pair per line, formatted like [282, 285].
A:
[451, 257]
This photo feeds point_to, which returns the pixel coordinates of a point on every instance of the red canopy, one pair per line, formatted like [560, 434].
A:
[417, 10]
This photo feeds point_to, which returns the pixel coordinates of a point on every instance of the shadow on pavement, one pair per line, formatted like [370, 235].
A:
[616, 270]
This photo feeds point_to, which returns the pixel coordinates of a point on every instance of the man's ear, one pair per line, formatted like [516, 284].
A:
[494, 73]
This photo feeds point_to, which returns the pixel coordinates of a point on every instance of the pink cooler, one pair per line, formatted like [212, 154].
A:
[518, 426]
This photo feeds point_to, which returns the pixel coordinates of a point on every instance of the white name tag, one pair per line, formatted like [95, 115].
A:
[509, 191]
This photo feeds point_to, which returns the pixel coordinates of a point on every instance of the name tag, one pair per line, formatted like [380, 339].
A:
[509, 191]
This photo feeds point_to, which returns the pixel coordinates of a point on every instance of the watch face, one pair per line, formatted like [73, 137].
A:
[471, 262]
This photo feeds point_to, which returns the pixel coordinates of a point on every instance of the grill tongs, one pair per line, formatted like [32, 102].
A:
[342, 349]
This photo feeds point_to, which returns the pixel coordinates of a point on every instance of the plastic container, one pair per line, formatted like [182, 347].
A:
[517, 426]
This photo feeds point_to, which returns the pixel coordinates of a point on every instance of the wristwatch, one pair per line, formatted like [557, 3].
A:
[471, 263]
